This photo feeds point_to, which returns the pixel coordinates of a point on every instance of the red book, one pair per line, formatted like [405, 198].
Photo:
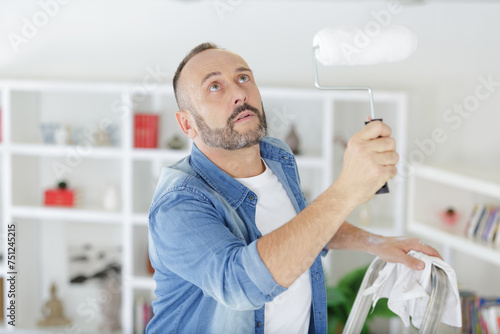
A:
[60, 197]
[146, 130]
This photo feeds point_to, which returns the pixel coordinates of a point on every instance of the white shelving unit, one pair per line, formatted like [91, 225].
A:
[44, 233]
[433, 189]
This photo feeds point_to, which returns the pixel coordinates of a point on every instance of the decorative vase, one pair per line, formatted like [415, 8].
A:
[110, 198]
[61, 135]
[48, 131]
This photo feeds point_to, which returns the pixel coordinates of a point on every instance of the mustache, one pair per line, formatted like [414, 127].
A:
[241, 108]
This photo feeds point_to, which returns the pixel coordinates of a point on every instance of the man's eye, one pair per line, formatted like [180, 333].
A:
[214, 87]
[243, 78]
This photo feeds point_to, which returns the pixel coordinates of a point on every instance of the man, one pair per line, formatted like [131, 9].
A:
[234, 244]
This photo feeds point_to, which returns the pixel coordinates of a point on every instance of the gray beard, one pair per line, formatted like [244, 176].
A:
[228, 138]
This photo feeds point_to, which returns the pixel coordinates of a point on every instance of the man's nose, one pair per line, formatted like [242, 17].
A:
[239, 95]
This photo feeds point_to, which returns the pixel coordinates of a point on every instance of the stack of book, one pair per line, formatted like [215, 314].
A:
[483, 224]
[480, 314]
[146, 130]
[143, 314]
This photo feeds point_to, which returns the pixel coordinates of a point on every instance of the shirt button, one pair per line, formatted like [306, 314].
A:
[320, 316]
[285, 157]
[251, 197]
[259, 324]
[317, 276]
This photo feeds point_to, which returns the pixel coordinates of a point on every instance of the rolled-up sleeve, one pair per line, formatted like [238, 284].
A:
[190, 238]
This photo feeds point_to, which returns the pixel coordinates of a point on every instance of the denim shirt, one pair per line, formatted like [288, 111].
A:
[202, 244]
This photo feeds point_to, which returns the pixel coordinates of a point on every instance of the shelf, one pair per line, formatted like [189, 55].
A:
[81, 328]
[455, 241]
[70, 86]
[146, 283]
[40, 150]
[488, 183]
[385, 231]
[67, 214]
[158, 154]
[140, 219]
[310, 162]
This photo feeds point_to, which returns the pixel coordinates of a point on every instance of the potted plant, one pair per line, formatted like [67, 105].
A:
[340, 299]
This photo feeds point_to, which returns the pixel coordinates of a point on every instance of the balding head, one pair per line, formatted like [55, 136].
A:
[180, 96]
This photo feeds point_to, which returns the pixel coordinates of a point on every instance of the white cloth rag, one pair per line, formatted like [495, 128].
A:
[408, 291]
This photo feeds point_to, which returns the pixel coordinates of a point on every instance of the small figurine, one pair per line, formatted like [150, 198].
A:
[175, 143]
[111, 309]
[450, 216]
[53, 311]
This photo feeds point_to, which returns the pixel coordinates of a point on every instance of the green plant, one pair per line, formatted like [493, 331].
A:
[340, 299]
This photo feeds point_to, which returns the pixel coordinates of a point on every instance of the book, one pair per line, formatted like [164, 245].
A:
[493, 234]
[146, 130]
[467, 299]
[474, 219]
[491, 316]
[143, 314]
[490, 224]
[479, 314]
[496, 239]
[484, 306]
[482, 221]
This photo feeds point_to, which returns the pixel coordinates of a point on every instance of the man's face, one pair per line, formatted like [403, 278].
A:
[224, 100]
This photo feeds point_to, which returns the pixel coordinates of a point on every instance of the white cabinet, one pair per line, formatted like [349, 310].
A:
[28, 166]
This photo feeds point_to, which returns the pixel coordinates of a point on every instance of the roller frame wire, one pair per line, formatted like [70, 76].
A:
[319, 86]
[433, 311]
[385, 187]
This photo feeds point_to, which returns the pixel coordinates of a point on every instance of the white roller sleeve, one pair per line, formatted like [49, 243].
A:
[357, 46]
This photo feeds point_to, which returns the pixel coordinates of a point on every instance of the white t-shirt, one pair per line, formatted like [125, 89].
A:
[289, 312]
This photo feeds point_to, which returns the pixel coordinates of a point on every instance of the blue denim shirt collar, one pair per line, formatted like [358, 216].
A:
[232, 190]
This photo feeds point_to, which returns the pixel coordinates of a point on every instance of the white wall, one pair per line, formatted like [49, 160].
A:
[121, 40]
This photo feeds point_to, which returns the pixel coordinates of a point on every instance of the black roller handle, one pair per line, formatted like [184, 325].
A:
[385, 187]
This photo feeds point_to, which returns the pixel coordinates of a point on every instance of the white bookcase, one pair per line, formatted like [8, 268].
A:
[44, 233]
[433, 189]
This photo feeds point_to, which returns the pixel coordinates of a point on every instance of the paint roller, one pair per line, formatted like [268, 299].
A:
[338, 46]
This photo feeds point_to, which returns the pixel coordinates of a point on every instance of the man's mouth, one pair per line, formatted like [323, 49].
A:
[243, 115]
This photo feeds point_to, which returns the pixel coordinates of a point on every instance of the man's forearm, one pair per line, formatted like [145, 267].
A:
[390, 249]
[350, 237]
[290, 250]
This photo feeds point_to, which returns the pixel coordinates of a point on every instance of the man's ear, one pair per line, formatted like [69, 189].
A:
[186, 123]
